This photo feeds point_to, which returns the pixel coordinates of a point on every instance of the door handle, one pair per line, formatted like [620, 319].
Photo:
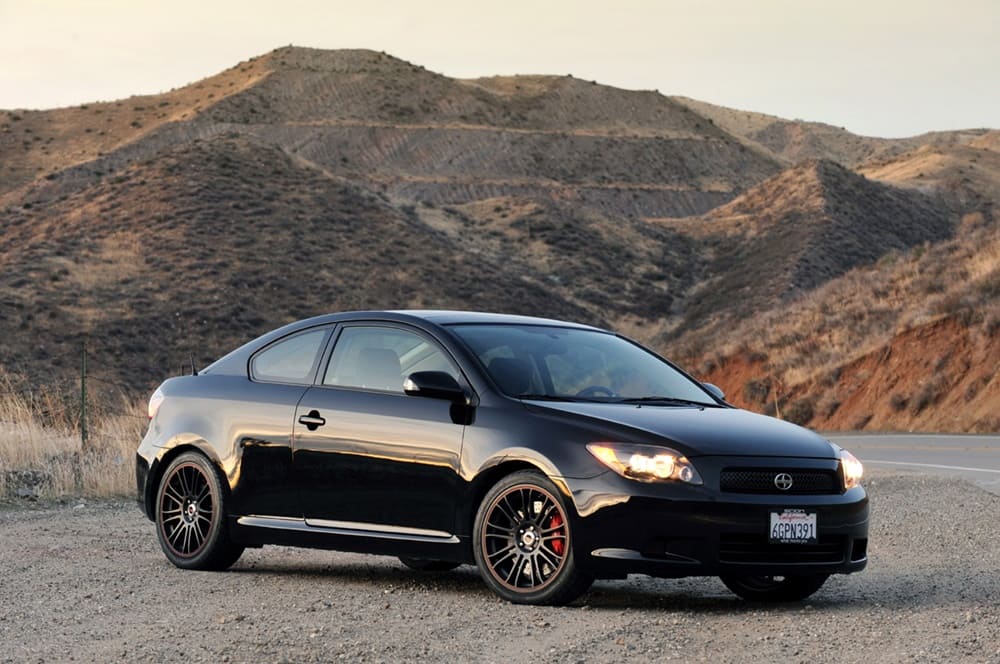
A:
[312, 421]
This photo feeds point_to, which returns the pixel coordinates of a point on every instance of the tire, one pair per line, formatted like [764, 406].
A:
[523, 543]
[425, 565]
[775, 588]
[191, 515]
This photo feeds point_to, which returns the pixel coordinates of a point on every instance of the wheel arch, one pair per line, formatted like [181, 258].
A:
[488, 477]
[163, 460]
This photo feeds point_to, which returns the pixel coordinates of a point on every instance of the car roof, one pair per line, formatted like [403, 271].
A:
[449, 317]
[436, 317]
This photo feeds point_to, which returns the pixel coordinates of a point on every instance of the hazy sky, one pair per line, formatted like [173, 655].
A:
[879, 67]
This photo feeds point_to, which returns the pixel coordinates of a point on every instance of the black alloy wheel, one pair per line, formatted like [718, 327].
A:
[522, 542]
[190, 515]
[775, 588]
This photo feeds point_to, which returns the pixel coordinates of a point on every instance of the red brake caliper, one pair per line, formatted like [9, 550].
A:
[558, 544]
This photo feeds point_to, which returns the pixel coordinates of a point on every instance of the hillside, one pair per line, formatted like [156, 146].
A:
[36, 144]
[968, 174]
[213, 243]
[794, 141]
[417, 135]
[797, 231]
[912, 342]
[304, 181]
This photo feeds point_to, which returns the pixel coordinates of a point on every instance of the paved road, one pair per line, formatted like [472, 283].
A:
[976, 458]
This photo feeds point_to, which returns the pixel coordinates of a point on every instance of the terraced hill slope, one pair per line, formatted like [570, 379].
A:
[306, 181]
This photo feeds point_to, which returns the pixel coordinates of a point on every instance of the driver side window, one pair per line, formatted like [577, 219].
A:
[380, 358]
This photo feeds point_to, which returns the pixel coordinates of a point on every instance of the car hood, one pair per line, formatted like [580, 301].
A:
[705, 431]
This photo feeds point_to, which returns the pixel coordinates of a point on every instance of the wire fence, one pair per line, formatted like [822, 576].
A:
[71, 435]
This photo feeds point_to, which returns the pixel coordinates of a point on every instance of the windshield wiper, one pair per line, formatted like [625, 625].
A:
[667, 401]
[553, 397]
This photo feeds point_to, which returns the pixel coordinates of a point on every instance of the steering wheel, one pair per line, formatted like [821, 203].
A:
[596, 391]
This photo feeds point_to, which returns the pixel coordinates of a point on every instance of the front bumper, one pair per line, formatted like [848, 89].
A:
[674, 530]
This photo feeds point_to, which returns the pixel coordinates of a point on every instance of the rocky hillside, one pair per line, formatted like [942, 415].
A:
[785, 260]
[799, 230]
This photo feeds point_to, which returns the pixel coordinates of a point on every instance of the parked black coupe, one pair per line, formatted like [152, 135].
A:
[546, 453]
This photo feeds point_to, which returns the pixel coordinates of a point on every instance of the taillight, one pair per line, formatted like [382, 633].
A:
[154, 403]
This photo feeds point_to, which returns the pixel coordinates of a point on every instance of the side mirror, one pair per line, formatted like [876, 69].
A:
[434, 385]
[715, 391]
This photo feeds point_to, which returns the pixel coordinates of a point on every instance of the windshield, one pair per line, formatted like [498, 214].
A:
[543, 362]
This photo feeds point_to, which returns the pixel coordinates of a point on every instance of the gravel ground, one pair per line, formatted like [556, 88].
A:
[89, 583]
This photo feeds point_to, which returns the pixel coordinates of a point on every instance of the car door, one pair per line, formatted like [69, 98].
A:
[366, 455]
[260, 420]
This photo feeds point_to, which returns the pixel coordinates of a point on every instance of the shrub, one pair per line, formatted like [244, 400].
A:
[756, 391]
[801, 411]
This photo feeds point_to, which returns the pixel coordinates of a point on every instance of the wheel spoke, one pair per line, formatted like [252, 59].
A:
[525, 502]
[507, 553]
[512, 574]
[198, 533]
[512, 514]
[171, 493]
[175, 534]
[551, 557]
[536, 570]
[182, 481]
[509, 530]
[505, 535]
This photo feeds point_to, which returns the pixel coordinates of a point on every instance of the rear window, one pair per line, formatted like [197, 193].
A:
[291, 360]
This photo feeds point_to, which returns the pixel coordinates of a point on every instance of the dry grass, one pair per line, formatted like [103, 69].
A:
[40, 447]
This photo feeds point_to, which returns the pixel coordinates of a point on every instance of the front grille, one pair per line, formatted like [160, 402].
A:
[761, 480]
[754, 548]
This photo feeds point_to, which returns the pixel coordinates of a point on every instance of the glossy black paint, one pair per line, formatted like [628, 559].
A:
[403, 475]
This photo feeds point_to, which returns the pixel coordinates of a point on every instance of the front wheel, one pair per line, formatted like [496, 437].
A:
[190, 515]
[775, 588]
[523, 542]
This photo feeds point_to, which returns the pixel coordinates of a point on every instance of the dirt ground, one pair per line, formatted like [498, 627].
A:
[87, 582]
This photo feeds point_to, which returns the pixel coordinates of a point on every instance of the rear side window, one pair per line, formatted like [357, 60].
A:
[291, 360]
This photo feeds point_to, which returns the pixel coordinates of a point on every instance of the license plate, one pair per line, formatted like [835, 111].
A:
[793, 526]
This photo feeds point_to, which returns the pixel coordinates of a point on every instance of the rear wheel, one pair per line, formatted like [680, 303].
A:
[523, 543]
[425, 565]
[775, 588]
[190, 515]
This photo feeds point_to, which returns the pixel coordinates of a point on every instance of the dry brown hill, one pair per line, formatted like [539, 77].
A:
[213, 243]
[40, 143]
[908, 343]
[797, 231]
[418, 135]
[798, 140]
[968, 174]
[306, 181]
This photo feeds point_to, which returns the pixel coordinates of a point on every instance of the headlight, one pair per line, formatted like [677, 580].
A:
[646, 463]
[851, 468]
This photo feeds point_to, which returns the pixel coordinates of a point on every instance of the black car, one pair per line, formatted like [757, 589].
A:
[546, 453]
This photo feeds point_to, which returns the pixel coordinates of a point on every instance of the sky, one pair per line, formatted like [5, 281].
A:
[875, 67]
